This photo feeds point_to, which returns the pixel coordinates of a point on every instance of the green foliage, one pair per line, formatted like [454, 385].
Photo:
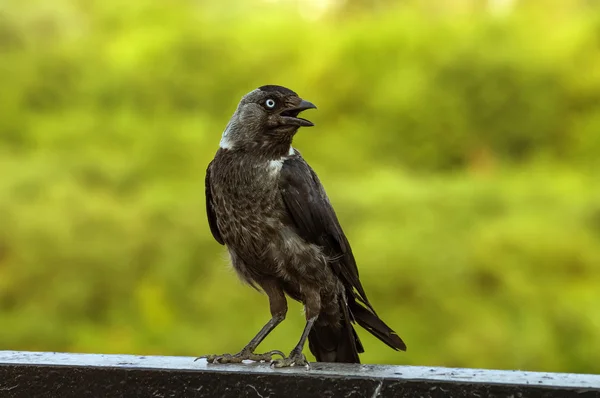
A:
[459, 151]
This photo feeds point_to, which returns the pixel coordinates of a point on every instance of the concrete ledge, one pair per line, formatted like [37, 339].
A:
[41, 374]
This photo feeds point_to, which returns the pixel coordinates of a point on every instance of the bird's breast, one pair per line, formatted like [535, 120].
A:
[247, 202]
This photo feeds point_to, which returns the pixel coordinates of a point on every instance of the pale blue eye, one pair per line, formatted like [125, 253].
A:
[270, 103]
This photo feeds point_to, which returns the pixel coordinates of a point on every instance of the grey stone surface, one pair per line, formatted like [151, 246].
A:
[43, 374]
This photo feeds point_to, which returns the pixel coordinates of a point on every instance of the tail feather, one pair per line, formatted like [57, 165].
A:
[371, 322]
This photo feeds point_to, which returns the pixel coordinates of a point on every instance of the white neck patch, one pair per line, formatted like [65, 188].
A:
[276, 165]
[226, 143]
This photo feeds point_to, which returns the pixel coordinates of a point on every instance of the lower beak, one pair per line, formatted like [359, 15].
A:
[290, 115]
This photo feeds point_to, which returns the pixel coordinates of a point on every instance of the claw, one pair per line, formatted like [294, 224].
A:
[295, 359]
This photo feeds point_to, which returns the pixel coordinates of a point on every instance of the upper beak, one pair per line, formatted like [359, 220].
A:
[290, 115]
[304, 105]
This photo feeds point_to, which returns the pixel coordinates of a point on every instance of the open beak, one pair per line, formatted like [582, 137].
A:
[290, 115]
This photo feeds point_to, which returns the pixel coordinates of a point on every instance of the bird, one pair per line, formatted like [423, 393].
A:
[269, 208]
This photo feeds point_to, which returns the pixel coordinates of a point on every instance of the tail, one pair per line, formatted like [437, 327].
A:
[341, 344]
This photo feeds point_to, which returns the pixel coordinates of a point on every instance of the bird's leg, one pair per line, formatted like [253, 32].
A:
[247, 353]
[278, 306]
[296, 357]
[312, 307]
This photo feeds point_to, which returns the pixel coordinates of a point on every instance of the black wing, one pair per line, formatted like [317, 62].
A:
[210, 211]
[316, 221]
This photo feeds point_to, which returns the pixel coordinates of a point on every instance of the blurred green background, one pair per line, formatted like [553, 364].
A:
[459, 142]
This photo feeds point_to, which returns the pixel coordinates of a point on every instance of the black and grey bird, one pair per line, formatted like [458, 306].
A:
[267, 205]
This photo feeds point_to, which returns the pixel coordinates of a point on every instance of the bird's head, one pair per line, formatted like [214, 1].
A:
[266, 118]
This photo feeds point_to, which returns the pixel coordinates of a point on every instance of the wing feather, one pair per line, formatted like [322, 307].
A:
[210, 210]
[316, 222]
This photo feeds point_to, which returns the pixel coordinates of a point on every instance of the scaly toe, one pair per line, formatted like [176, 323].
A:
[241, 356]
[266, 357]
[224, 358]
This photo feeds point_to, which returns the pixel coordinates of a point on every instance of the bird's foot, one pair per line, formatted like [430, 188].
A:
[296, 358]
[242, 356]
